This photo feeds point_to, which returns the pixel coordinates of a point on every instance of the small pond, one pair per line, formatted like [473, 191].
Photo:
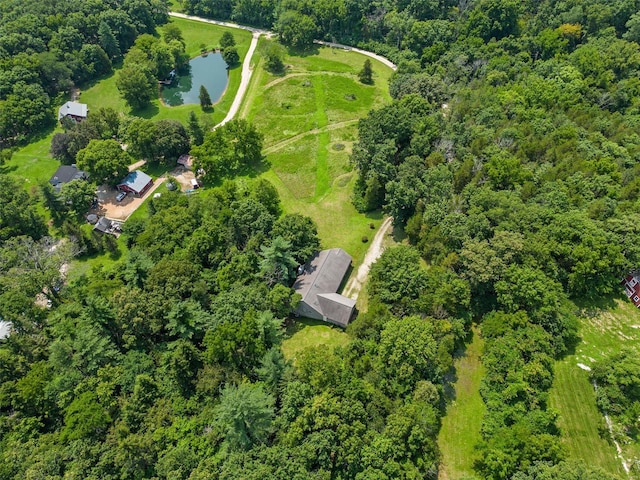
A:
[210, 71]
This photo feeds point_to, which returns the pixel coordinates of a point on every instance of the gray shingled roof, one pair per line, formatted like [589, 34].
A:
[136, 180]
[76, 109]
[336, 307]
[318, 285]
[65, 174]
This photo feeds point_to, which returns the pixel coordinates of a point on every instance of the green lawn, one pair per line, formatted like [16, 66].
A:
[460, 430]
[604, 329]
[309, 121]
[306, 333]
[32, 164]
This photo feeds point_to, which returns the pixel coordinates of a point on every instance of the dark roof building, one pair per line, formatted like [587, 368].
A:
[75, 110]
[106, 225]
[136, 182]
[318, 284]
[65, 174]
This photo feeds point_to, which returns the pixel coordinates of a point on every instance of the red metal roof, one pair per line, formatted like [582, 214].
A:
[632, 288]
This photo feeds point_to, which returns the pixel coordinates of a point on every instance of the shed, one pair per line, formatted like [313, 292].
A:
[106, 225]
[65, 174]
[186, 161]
[318, 285]
[75, 110]
[136, 182]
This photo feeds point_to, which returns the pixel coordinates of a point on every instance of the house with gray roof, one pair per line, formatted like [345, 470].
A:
[75, 110]
[318, 285]
[136, 182]
[65, 174]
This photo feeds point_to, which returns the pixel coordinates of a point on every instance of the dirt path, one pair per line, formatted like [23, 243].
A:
[136, 165]
[244, 82]
[375, 250]
[327, 128]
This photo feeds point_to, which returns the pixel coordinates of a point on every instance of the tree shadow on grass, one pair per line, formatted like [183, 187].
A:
[308, 51]
[590, 307]
[147, 112]
[94, 81]
[295, 325]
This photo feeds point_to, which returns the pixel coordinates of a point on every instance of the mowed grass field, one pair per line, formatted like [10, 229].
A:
[309, 117]
[603, 330]
[460, 430]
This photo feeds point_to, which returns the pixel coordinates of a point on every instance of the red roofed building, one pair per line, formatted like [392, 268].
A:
[632, 288]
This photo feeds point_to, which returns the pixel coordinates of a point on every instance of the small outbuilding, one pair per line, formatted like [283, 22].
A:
[5, 329]
[136, 182]
[318, 284]
[65, 174]
[106, 225]
[74, 110]
[186, 161]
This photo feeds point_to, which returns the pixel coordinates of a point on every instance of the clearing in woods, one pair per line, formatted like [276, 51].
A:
[460, 430]
[603, 330]
[309, 119]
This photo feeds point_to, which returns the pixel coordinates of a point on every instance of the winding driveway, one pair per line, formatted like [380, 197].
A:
[246, 64]
[353, 287]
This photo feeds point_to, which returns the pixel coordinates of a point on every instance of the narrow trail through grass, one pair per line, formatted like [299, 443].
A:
[280, 145]
[322, 169]
[461, 425]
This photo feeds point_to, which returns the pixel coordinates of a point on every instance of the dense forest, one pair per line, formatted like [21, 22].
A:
[509, 156]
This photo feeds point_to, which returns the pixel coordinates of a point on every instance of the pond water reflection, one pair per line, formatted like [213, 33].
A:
[210, 71]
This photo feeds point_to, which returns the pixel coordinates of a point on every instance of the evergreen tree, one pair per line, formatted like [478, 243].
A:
[108, 41]
[195, 129]
[366, 74]
[205, 99]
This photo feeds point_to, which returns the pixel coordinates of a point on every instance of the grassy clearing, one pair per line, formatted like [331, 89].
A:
[460, 430]
[574, 398]
[306, 333]
[309, 119]
[33, 164]
[604, 329]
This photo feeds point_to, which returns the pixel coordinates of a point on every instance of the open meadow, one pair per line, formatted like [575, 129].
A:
[604, 330]
[309, 116]
[461, 424]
